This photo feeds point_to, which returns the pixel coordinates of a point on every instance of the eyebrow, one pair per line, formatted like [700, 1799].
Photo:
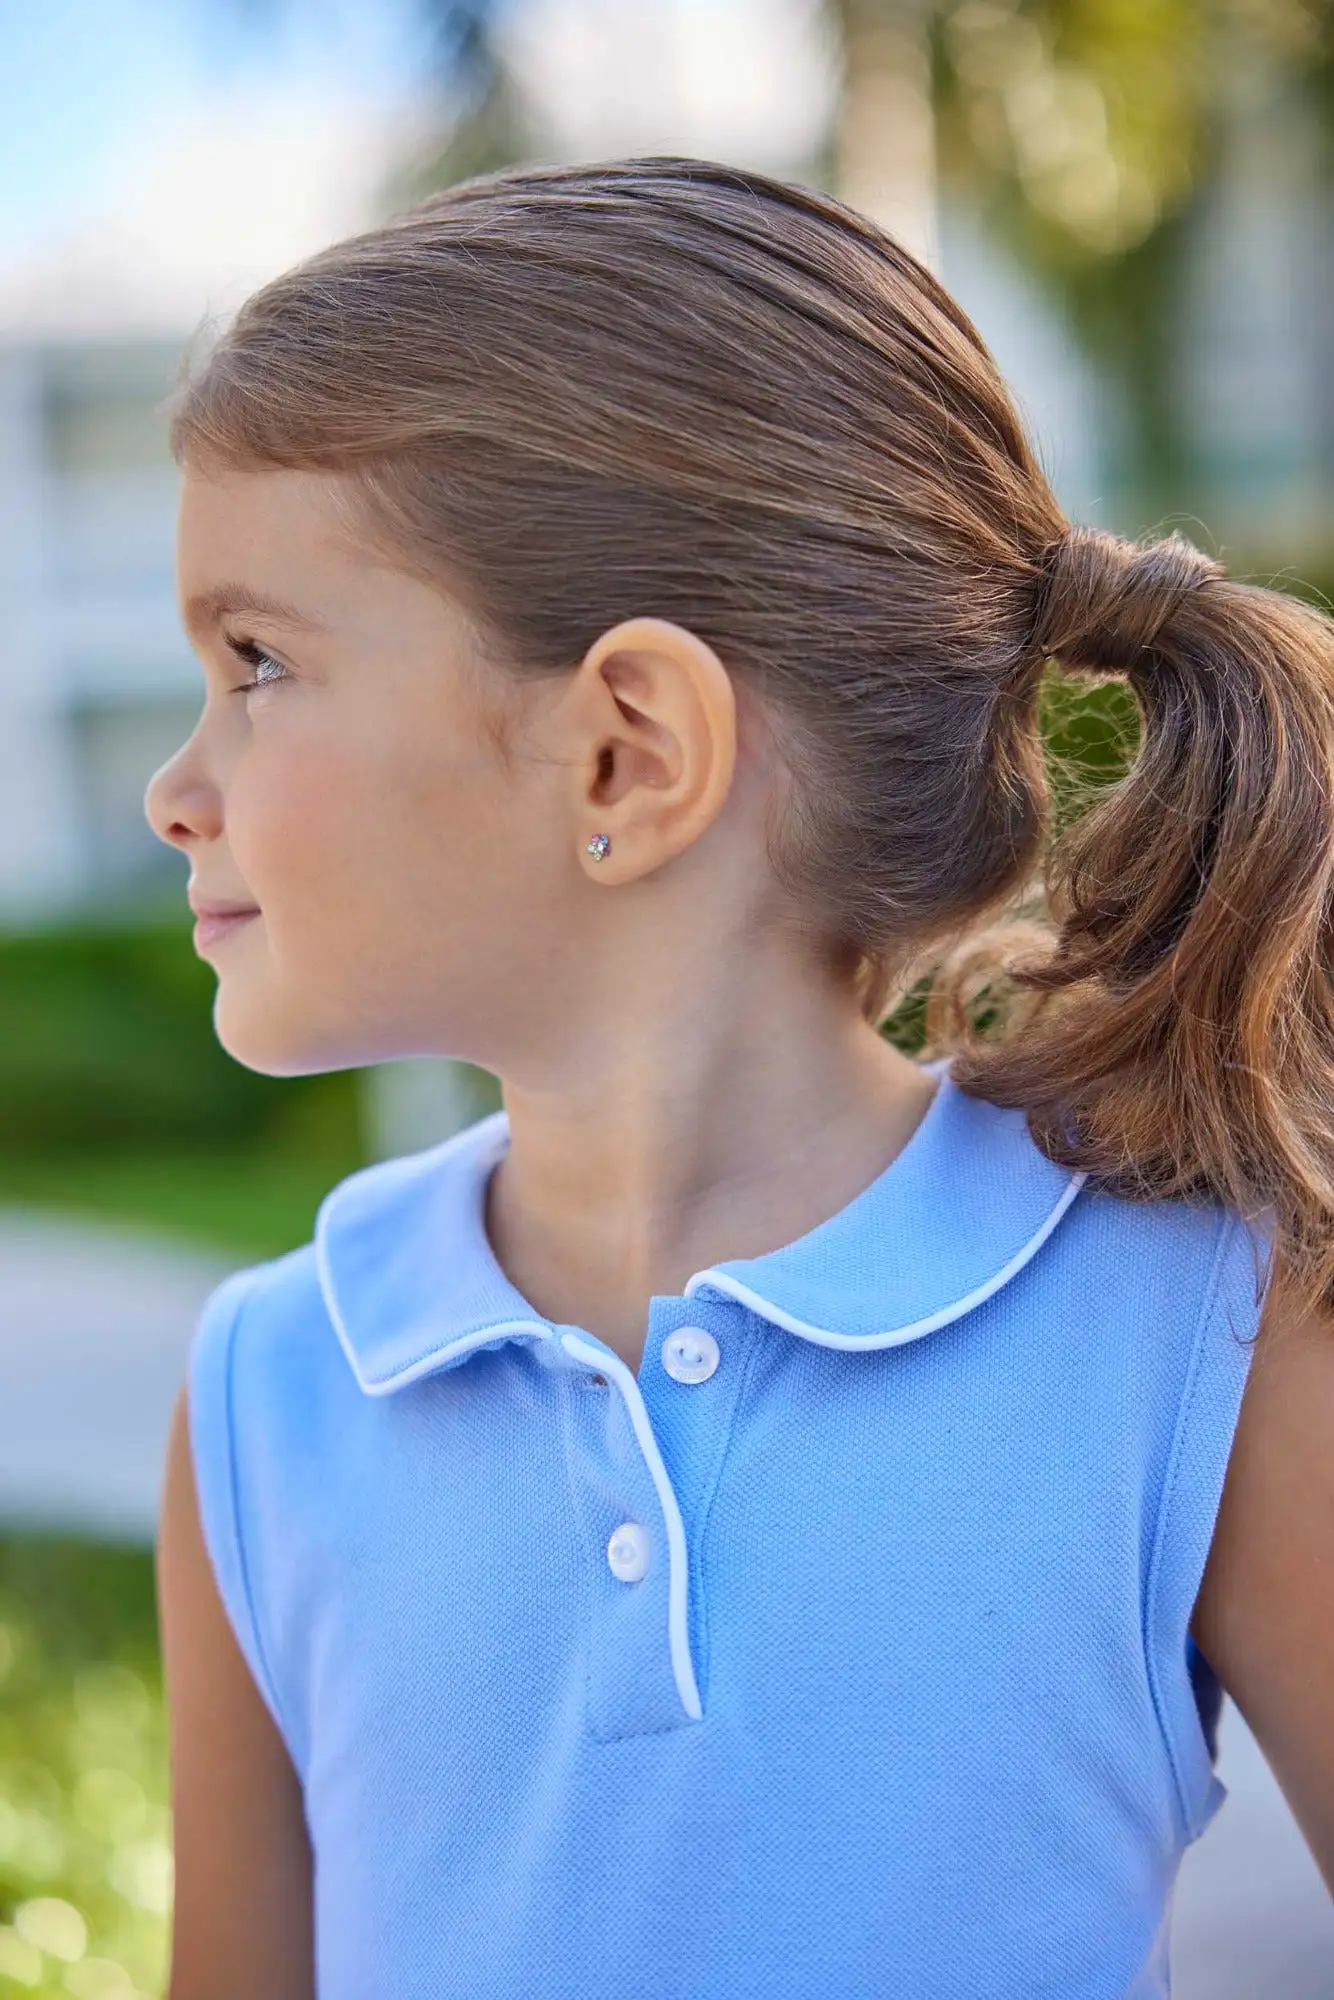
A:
[207, 608]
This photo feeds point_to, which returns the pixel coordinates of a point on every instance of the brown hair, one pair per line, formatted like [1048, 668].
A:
[668, 386]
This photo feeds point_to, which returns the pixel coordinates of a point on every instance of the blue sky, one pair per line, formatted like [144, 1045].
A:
[159, 158]
[77, 76]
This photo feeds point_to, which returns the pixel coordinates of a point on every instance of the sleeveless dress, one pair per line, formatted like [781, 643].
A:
[841, 1651]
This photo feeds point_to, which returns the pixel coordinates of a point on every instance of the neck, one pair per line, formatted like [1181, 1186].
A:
[707, 1147]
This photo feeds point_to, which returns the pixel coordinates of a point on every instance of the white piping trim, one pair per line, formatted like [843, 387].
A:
[430, 1361]
[825, 1337]
[677, 1641]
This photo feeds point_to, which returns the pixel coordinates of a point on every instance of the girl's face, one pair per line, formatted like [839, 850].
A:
[356, 799]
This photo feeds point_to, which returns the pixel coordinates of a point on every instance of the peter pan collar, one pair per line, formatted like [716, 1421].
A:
[412, 1285]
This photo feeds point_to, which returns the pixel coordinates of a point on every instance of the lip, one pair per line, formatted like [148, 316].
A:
[215, 921]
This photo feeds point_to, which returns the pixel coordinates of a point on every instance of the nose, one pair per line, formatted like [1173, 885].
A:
[181, 804]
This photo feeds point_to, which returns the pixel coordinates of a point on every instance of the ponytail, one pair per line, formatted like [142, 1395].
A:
[1178, 1035]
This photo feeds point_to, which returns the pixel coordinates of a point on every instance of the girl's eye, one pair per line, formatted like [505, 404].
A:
[268, 671]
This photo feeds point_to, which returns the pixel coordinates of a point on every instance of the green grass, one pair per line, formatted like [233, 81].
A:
[85, 1832]
[252, 1203]
[85, 1841]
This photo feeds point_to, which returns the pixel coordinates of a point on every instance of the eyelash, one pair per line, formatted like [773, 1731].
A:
[254, 656]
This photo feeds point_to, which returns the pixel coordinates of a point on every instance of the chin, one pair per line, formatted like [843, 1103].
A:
[260, 1035]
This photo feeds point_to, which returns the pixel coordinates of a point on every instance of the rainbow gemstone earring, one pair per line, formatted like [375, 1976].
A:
[598, 846]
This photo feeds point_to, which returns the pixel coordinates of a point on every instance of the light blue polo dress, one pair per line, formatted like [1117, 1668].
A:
[839, 1652]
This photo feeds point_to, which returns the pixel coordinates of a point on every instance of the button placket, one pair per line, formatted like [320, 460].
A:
[641, 1675]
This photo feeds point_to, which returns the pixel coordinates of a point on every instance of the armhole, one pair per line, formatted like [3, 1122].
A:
[1186, 1693]
[214, 1456]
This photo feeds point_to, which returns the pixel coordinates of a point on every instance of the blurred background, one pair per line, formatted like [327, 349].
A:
[1135, 202]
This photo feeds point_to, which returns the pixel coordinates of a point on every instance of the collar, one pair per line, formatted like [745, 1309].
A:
[412, 1285]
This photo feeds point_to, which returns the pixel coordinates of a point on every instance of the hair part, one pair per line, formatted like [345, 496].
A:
[665, 386]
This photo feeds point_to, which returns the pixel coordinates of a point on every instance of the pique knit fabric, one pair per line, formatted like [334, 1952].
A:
[903, 1703]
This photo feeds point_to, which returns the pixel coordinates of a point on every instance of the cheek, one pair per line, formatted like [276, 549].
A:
[409, 887]
[285, 816]
[348, 838]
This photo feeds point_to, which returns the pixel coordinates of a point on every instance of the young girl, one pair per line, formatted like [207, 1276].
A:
[733, 1521]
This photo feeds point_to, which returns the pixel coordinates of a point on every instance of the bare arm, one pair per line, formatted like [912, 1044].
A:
[1264, 1618]
[242, 1922]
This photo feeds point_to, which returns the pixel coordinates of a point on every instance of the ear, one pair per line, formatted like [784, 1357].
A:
[653, 709]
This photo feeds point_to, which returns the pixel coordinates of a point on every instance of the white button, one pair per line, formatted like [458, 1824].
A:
[690, 1354]
[628, 1551]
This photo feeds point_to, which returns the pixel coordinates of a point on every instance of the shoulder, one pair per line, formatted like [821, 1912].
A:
[268, 1364]
[1265, 1614]
[1282, 1469]
[262, 1359]
[268, 1400]
[284, 1341]
[1181, 1275]
[284, 1312]
[269, 1315]
[1122, 1246]
[1178, 1289]
[1286, 1424]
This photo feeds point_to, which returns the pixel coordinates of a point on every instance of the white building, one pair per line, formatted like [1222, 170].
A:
[97, 684]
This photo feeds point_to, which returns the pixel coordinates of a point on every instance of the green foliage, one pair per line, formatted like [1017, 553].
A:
[1086, 133]
[1091, 733]
[85, 1853]
[107, 1040]
[248, 1203]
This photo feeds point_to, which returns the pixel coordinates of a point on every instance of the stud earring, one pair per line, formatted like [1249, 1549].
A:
[598, 846]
